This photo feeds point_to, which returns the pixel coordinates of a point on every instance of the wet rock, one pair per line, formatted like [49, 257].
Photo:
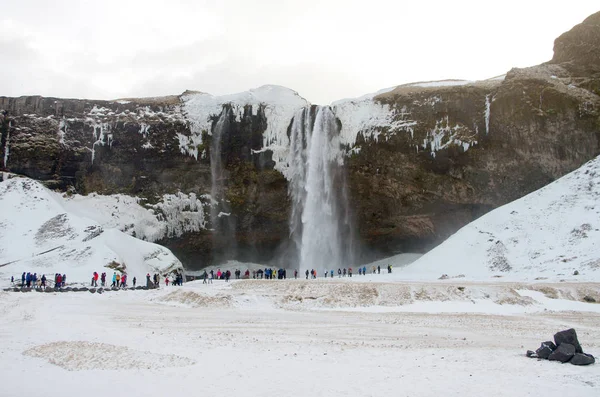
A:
[563, 353]
[576, 273]
[92, 290]
[589, 299]
[83, 289]
[582, 359]
[568, 336]
[545, 350]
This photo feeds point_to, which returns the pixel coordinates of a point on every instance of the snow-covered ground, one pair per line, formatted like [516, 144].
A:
[295, 338]
[548, 234]
[38, 234]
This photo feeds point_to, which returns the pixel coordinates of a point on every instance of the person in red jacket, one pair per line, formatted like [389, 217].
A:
[167, 281]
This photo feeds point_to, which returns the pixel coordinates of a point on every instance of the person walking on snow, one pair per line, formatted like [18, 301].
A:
[134, 281]
[167, 281]
[114, 280]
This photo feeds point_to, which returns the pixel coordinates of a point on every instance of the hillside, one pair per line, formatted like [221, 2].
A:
[550, 233]
[38, 234]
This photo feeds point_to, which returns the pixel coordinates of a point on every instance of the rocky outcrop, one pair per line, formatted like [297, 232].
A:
[452, 151]
[422, 160]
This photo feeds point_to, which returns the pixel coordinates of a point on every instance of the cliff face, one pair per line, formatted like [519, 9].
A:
[422, 159]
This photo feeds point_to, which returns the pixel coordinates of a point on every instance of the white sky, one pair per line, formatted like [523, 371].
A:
[326, 50]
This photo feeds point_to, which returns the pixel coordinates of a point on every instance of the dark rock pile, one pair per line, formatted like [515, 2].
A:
[565, 348]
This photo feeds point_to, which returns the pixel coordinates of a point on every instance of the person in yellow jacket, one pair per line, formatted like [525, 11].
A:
[118, 280]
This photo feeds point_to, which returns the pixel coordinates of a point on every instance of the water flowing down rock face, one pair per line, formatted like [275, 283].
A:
[222, 223]
[320, 222]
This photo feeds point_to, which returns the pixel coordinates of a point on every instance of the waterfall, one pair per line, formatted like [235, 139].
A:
[487, 113]
[320, 224]
[7, 144]
[216, 167]
[223, 225]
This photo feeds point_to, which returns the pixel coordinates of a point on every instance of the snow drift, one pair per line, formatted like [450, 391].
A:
[37, 234]
[550, 233]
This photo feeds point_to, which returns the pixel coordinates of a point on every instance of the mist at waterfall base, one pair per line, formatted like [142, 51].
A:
[321, 232]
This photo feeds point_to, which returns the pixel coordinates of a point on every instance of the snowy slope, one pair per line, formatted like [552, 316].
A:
[38, 234]
[549, 233]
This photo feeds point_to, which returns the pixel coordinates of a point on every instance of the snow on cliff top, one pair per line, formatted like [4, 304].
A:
[37, 234]
[280, 105]
[549, 233]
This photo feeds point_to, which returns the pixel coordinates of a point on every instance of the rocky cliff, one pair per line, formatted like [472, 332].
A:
[422, 159]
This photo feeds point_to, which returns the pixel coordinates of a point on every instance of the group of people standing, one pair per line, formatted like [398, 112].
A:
[32, 280]
[118, 280]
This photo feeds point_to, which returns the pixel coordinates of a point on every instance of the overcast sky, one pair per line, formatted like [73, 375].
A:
[324, 49]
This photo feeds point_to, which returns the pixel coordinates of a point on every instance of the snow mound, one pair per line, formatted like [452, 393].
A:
[549, 233]
[81, 356]
[194, 299]
[40, 235]
[448, 296]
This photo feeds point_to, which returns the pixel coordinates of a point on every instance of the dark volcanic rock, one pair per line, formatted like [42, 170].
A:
[92, 290]
[545, 350]
[563, 353]
[579, 48]
[582, 359]
[568, 336]
[531, 354]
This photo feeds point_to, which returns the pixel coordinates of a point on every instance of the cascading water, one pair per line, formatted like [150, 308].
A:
[319, 223]
[222, 223]
[216, 167]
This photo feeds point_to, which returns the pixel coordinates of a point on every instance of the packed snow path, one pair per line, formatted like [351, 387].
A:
[238, 340]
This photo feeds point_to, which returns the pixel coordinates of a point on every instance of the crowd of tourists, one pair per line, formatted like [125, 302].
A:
[120, 279]
[32, 280]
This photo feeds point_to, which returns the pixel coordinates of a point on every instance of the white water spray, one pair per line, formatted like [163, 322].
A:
[319, 223]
